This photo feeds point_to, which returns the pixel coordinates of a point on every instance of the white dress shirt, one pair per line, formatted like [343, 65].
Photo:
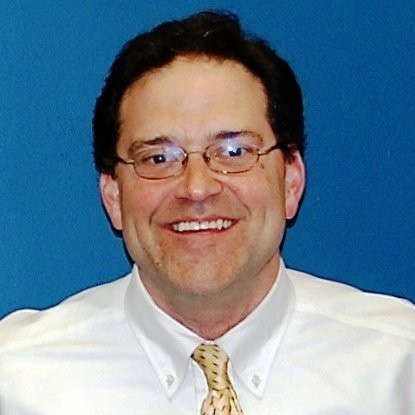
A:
[312, 347]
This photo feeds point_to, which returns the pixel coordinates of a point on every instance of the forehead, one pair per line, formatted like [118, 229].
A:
[191, 95]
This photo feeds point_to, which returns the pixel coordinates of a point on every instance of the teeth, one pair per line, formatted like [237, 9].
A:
[218, 224]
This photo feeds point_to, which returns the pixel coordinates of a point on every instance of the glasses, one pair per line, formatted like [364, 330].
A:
[168, 160]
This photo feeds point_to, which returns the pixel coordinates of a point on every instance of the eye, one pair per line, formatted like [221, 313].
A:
[159, 156]
[152, 157]
[156, 159]
[234, 150]
[232, 156]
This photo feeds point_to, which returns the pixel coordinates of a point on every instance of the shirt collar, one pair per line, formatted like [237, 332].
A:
[251, 345]
[167, 343]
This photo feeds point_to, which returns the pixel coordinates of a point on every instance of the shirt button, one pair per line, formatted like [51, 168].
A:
[170, 380]
[256, 380]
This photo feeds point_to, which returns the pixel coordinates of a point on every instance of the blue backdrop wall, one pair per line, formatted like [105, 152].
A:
[356, 63]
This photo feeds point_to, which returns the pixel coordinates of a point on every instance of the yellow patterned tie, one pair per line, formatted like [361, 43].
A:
[221, 398]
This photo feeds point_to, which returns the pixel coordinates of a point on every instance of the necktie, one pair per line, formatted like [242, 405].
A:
[221, 398]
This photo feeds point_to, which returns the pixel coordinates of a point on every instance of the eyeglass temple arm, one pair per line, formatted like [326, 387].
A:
[118, 159]
[276, 146]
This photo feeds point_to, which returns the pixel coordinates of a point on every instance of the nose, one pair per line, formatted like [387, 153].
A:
[198, 182]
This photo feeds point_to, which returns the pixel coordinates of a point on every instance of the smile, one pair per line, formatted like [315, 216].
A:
[193, 226]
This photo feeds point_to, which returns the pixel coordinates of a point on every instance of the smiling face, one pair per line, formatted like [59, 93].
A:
[201, 232]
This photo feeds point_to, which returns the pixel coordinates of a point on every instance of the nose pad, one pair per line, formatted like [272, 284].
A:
[198, 182]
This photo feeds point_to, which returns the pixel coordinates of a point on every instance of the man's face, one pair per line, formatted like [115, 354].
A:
[190, 102]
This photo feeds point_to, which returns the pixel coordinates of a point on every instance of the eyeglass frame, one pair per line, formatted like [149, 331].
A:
[258, 153]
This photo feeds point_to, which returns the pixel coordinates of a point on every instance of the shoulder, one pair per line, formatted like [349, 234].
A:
[351, 306]
[27, 328]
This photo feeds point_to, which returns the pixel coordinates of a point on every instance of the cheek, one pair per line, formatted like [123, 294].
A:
[273, 186]
[137, 203]
[263, 193]
[273, 201]
[266, 206]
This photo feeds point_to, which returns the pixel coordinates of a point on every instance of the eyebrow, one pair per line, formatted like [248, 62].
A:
[221, 135]
[226, 135]
[162, 139]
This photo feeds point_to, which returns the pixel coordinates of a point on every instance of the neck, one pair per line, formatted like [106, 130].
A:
[212, 315]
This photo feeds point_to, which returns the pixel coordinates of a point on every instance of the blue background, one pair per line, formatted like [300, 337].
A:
[356, 63]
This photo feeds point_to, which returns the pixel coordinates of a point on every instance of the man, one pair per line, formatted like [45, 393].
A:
[198, 139]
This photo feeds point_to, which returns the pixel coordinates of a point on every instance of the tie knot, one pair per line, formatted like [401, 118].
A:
[214, 362]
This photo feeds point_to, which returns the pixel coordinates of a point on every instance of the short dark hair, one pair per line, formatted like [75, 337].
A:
[217, 35]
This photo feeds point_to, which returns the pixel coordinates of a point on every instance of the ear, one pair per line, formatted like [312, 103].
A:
[110, 195]
[294, 184]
